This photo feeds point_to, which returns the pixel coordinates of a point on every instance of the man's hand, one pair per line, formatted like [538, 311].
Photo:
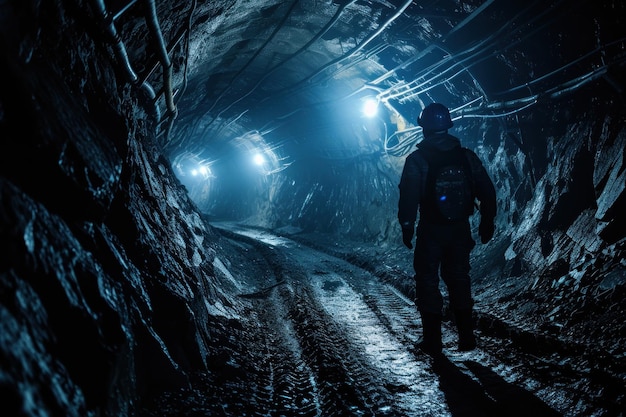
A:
[407, 236]
[485, 230]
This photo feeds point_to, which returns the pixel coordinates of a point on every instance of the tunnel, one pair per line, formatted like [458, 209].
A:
[199, 207]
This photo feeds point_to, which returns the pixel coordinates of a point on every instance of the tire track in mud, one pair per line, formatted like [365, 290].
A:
[537, 374]
[336, 381]
[279, 382]
[363, 359]
[335, 340]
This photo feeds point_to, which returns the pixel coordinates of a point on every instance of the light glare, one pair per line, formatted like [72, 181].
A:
[259, 159]
[370, 107]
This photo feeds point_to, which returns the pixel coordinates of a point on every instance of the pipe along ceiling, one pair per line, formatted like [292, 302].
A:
[286, 82]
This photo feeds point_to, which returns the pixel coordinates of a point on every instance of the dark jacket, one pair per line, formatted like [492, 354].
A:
[413, 180]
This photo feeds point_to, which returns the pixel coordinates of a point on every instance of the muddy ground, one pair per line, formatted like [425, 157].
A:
[327, 334]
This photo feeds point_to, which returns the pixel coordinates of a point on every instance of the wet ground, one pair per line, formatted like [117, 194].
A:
[326, 336]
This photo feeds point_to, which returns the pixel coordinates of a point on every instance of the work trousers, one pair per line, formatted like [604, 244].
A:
[445, 249]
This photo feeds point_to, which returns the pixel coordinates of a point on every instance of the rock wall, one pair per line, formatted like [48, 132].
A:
[109, 288]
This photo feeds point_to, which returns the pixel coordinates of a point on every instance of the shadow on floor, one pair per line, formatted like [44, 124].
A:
[489, 395]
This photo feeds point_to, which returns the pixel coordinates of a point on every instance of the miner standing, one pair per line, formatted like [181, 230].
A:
[446, 182]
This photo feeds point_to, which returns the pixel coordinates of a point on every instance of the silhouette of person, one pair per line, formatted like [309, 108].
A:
[443, 236]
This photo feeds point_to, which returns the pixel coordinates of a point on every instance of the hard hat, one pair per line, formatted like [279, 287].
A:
[435, 117]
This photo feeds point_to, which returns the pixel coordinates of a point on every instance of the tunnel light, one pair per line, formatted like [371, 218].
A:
[190, 167]
[258, 159]
[370, 107]
[200, 171]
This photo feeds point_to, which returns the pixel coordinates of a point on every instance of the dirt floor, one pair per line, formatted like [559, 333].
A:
[331, 330]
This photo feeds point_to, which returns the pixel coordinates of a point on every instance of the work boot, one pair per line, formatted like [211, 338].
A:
[431, 334]
[465, 328]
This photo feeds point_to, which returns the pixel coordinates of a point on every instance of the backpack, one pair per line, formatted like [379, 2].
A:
[449, 194]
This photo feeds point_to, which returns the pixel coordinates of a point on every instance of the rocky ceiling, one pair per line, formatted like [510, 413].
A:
[290, 78]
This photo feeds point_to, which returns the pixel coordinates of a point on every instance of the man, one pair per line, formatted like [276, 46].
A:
[443, 238]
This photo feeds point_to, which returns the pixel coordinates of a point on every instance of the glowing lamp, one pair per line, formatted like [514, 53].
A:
[370, 107]
[258, 159]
